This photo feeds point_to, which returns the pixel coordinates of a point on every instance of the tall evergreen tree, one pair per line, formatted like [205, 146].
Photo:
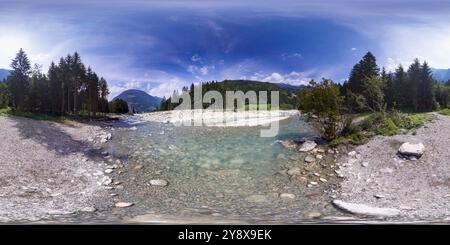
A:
[412, 88]
[366, 68]
[425, 95]
[388, 89]
[93, 91]
[18, 80]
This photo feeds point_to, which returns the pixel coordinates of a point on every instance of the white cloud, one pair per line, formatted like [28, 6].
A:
[424, 41]
[286, 56]
[294, 78]
[354, 49]
[200, 70]
[166, 89]
[196, 58]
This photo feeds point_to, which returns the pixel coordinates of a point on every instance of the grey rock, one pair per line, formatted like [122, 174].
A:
[289, 144]
[309, 159]
[123, 204]
[88, 209]
[158, 182]
[307, 146]
[287, 196]
[362, 209]
[410, 149]
[294, 171]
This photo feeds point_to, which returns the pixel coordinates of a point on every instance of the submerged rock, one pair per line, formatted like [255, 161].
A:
[307, 146]
[256, 198]
[410, 149]
[289, 144]
[362, 209]
[294, 171]
[309, 159]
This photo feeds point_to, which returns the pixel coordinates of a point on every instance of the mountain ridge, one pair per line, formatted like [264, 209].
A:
[139, 101]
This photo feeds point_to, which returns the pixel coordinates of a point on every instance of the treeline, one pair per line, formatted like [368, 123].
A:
[414, 89]
[68, 88]
[334, 106]
[287, 97]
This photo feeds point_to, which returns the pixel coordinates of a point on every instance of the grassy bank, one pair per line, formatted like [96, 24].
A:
[445, 112]
[370, 124]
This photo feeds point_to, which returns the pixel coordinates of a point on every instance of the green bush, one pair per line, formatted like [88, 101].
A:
[388, 128]
[445, 112]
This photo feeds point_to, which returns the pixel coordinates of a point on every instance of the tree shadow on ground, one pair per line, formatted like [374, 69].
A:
[55, 139]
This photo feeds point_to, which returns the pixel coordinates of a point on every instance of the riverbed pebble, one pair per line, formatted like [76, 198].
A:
[123, 204]
[158, 182]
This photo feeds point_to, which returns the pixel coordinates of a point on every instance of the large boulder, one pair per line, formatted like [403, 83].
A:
[308, 145]
[410, 149]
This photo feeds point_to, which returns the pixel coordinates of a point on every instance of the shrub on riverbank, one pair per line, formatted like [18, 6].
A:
[445, 112]
[380, 123]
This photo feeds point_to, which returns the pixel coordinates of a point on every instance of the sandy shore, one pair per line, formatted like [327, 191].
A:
[46, 169]
[216, 118]
[419, 189]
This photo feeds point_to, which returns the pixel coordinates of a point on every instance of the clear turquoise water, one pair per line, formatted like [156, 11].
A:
[212, 170]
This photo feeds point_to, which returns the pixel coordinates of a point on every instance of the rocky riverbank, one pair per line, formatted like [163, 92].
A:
[51, 170]
[412, 188]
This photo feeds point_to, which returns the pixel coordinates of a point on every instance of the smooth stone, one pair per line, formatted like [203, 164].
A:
[256, 198]
[319, 156]
[410, 149]
[124, 204]
[88, 209]
[294, 171]
[287, 195]
[106, 180]
[352, 153]
[365, 164]
[158, 182]
[362, 209]
[289, 144]
[108, 171]
[307, 146]
[309, 159]
[312, 215]
[138, 167]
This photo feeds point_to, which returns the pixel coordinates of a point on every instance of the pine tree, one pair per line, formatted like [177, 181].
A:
[18, 80]
[388, 89]
[93, 91]
[366, 68]
[412, 87]
[400, 86]
[426, 97]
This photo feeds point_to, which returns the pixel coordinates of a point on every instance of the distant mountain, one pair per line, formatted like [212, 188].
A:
[140, 100]
[292, 87]
[442, 75]
[4, 73]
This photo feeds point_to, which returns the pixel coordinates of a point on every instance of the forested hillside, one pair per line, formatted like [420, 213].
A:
[287, 95]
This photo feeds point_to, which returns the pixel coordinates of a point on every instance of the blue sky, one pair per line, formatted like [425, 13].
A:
[159, 46]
